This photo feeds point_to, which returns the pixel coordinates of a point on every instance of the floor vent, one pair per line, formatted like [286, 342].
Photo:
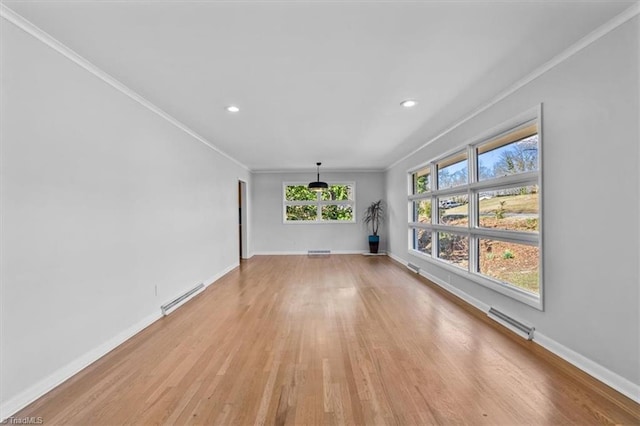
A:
[318, 252]
[177, 301]
[514, 325]
[413, 267]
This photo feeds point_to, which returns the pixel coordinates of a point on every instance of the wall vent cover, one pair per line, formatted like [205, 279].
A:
[413, 267]
[512, 324]
[178, 300]
[318, 252]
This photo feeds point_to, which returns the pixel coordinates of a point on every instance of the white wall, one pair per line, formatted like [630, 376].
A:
[270, 235]
[590, 196]
[102, 202]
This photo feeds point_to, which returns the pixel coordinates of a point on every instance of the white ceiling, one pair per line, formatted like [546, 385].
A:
[321, 80]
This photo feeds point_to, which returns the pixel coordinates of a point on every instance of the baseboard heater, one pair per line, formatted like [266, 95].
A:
[514, 325]
[178, 300]
[318, 252]
[413, 267]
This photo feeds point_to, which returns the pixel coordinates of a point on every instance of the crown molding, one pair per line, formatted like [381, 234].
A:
[593, 36]
[310, 170]
[31, 29]
[22, 23]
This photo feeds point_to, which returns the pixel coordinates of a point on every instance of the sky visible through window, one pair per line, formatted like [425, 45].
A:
[516, 157]
[502, 195]
[453, 175]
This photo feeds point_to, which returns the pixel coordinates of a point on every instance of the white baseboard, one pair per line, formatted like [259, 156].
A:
[212, 279]
[592, 368]
[26, 397]
[451, 289]
[397, 259]
[279, 253]
[34, 392]
[304, 253]
[456, 291]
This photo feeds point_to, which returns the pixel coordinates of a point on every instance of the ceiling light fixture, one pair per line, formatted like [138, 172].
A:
[408, 103]
[318, 185]
[233, 108]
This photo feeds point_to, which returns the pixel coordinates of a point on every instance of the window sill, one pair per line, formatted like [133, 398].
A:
[317, 222]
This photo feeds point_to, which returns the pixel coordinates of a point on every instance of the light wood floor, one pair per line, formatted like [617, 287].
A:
[329, 340]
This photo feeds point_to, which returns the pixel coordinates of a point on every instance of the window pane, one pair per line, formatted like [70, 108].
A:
[299, 193]
[421, 181]
[338, 193]
[513, 158]
[422, 211]
[452, 171]
[454, 210]
[337, 212]
[422, 240]
[302, 212]
[515, 209]
[515, 264]
[454, 249]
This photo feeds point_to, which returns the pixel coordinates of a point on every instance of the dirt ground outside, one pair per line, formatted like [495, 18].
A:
[517, 264]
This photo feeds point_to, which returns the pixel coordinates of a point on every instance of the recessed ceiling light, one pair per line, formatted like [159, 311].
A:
[233, 108]
[408, 103]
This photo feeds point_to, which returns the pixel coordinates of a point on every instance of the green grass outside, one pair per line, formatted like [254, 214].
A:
[527, 203]
[527, 281]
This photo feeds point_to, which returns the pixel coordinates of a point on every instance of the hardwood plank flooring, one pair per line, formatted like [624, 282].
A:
[345, 339]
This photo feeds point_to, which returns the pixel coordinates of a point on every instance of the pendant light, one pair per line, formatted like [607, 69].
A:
[318, 185]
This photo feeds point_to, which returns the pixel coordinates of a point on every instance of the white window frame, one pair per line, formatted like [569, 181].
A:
[472, 189]
[318, 203]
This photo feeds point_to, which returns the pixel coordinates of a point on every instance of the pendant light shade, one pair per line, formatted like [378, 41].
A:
[318, 185]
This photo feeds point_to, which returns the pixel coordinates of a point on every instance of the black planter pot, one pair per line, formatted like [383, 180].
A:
[374, 243]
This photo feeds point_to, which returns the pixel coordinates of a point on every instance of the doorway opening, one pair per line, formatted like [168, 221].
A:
[242, 220]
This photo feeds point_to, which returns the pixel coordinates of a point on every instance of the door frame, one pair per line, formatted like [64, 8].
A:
[243, 216]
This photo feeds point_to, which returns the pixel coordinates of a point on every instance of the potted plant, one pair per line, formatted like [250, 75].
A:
[373, 215]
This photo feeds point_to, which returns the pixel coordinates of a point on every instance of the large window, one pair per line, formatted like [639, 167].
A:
[335, 204]
[480, 214]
